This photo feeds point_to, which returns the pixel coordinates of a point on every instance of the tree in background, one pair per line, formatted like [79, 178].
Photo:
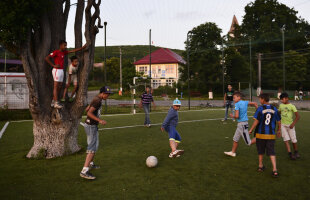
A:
[205, 57]
[31, 29]
[263, 23]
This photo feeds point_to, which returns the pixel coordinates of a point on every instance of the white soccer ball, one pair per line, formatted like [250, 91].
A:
[151, 161]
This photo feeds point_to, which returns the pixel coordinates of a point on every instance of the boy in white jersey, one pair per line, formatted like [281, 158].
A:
[72, 77]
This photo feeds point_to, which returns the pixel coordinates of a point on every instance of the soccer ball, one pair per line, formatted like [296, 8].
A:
[151, 161]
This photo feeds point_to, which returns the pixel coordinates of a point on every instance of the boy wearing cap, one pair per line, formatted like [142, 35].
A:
[91, 129]
[169, 125]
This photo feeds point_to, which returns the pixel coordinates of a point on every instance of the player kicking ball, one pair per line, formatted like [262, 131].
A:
[241, 114]
[169, 125]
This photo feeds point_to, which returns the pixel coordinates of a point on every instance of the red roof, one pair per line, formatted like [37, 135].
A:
[161, 56]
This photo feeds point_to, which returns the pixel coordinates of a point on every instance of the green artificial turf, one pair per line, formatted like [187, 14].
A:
[203, 172]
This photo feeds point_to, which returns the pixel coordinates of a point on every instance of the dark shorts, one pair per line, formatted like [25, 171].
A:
[265, 146]
[173, 134]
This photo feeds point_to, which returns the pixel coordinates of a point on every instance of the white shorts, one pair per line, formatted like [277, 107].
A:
[73, 79]
[288, 134]
[58, 75]
[242, 131]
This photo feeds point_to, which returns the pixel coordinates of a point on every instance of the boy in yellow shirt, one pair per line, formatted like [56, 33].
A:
[288, 123]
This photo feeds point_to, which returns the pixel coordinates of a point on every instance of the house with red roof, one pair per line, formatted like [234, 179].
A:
[165, 65]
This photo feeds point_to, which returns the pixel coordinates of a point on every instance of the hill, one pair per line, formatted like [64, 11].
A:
[128, 52]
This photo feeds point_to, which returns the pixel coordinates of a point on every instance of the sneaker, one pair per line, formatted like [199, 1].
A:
[297, 155]
[224, 120]
[62, 100]
[230, 154]
[71, 99]
[87, 175]
[292, 156]
[149, 125]
[57, 105]
[93, 166]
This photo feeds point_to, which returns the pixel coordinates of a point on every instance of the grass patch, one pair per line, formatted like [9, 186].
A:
[203, 172]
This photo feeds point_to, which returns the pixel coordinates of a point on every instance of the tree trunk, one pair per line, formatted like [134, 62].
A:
[54, 139]
[55, 131]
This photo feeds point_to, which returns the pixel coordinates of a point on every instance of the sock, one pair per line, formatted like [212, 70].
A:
[289, 153]
[85, 169]
[91, 163]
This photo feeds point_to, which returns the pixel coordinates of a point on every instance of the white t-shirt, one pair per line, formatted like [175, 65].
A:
[73, 70]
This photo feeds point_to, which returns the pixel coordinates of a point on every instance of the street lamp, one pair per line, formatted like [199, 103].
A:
[105, 63]
[104, 55]
[282, 30]
[188, 76]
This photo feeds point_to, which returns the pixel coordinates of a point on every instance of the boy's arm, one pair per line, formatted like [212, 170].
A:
[253, 104]
[90, 114]
[69, 80]
[225, 98]
[78, 49]
[297, 117]
[47, 59]
[253, 126]
[167, 119]
[236, 116]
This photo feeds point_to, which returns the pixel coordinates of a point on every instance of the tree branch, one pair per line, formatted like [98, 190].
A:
[66, 13]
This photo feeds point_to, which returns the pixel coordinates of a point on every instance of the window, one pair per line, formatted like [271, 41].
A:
[169, 82]
[143, 69]
[170, 69]
[156, 83]
[159, 69]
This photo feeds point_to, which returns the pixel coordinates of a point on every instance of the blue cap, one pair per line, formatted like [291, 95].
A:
[177, 102]
[106, 90]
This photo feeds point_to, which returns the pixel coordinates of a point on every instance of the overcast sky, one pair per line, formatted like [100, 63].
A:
[129, 21]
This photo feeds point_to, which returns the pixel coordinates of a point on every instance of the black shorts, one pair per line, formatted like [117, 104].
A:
[265, 146]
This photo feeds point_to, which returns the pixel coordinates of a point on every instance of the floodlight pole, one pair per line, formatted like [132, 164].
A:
[150, 36]
[250, 44]
[120, 70]
[105, 63]
[188, 74]
[283, 58]
[259, 88]
[223, 68]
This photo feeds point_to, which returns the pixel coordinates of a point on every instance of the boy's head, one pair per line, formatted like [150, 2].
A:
[74, 61]
[176, 104]
[264, 98]
[147, 89]
[105, 92]
[284, 97]
[237, 96]
[229, 87]
[62, 45]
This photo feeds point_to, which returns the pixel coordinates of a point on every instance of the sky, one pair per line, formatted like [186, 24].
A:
[129, 21]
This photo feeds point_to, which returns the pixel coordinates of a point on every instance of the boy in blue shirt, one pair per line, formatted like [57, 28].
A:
[169, 125]
[241, 114]
[265, 122]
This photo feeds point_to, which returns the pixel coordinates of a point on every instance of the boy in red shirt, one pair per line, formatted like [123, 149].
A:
[58, 72]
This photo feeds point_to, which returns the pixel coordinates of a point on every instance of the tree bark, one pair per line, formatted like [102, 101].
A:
[56, 130]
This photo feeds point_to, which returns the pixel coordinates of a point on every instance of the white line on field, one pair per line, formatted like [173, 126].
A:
[181, 122]
[4, 128]
[152, 113]
[115, 115]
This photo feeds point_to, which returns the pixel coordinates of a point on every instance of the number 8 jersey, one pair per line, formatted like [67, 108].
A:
[268, 116]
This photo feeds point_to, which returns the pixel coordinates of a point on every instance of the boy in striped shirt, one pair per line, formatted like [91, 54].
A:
[146, 100]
